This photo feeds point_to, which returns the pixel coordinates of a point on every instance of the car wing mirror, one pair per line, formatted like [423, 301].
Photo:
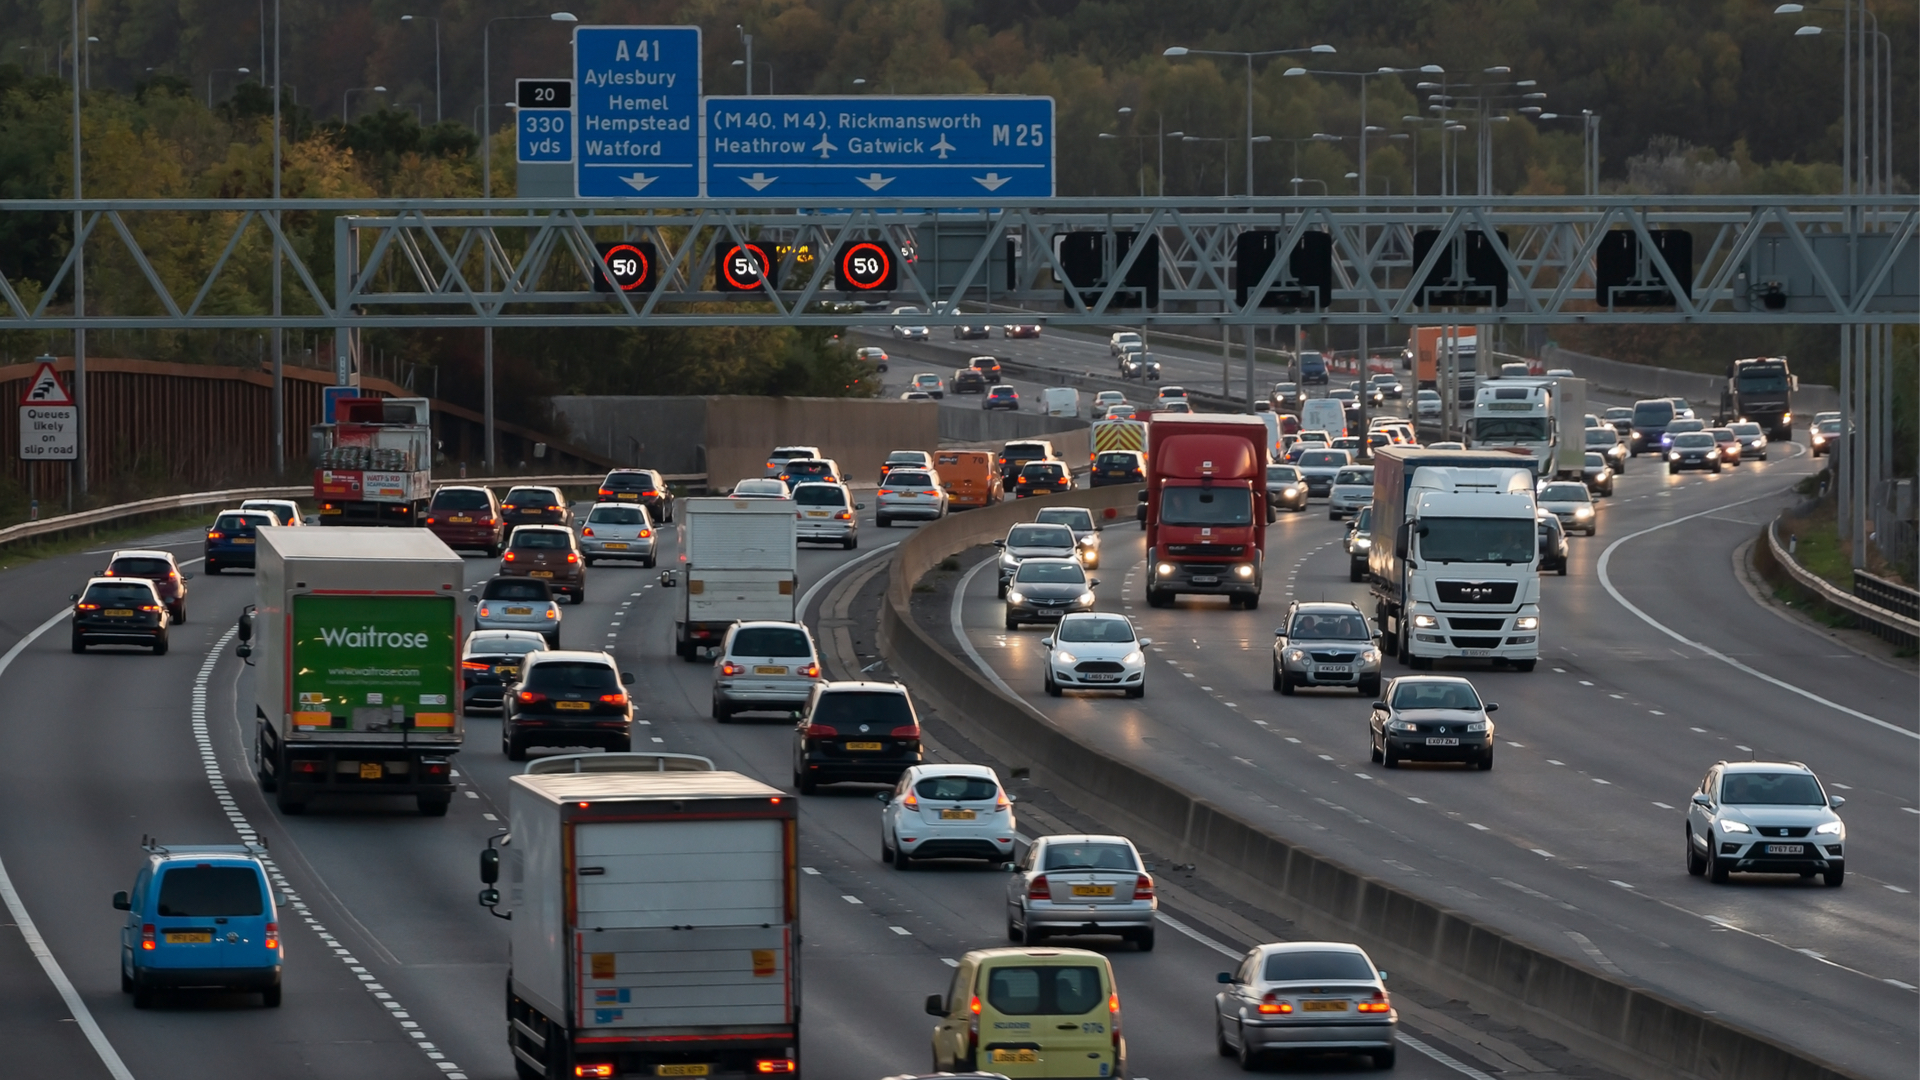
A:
[1701, 798]
[472, 599]
[626, 678]
[1837, 801]
[1493, 706]
[667, 580]
[1224, 977]
[489, 866]
[1047, 642]
[859, 506]
[1380, 706]
[121, 902]
[1146, 641]
[883, 796]
[996, 543]
[74, 597]
[1092, 582]
[936, 1005]
[186, 577]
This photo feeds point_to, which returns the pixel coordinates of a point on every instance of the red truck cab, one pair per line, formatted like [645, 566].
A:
[1206, 507]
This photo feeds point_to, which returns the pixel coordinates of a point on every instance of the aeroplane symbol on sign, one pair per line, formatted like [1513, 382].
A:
[944, 146]
[824, 146]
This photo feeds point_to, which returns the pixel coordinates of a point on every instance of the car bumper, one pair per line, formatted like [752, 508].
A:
[245, 978]
[1205, 578]
[546, 731]
[1323, 1035]
[1310, 675]
[993, 848]
[838, 530]
[483, 697]
[1692, 463]
[1297, 500]
[542, 626]
[1417, 747]
[230, 556]
[124, 635]
[628, 549]
[462, 536]
[1099, 680]
[866, 770]
[1031, 612]
[1506, 643]
[570, 583]
[1348, 504]
[1089, 918]
[915, 508]
[763, 694]
[1753, 858]
[1051, 489]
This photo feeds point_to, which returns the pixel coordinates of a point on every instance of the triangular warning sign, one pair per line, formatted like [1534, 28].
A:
[46, 389]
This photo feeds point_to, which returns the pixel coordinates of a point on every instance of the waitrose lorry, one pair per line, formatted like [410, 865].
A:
[655, 925]
[356, 634]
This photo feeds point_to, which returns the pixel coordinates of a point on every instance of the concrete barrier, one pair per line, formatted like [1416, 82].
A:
[1631, 1029]
[1642, 381]
[968, 423]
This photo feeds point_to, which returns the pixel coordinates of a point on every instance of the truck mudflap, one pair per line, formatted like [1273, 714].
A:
[297, 772]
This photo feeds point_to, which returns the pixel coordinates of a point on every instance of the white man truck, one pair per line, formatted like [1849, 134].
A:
[739, 561]
[357, 633]
[655, 925]
[1542, 417]
[1455, 557]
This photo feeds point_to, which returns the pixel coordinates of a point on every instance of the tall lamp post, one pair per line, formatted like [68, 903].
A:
[347, 98]
[761, 63]
[1589, 144]
[1364, 77]
[1181, 50]
[436, 59]
[77, 479]
[221, 71]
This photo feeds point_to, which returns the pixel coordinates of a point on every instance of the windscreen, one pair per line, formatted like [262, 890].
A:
[1435, 695]
[1072, 517]
[1205, 506]
[1322, 459]
[808, 468]
[630, 481]
[906, 457]
[1040, 572]
[900, 479]
[1693, 440]
[863, 707]
[1023, 451]
[1045, 990]
[1331, 627]
[1722, 434]
[1119, 460]
[617, 515]
[1679, 426]
[1564, 493]
[1509, 427]
[460, 499]
[141, 567]
[117, 596]
[1478, 540]
[1030, 536]
[1602, 437]
[1652, 413]
[1109, 630]
[517, 589]
[1595, 461]
[1830, 427]
[281, 514]
[532, 497]
[1359, 477]
[513, 647]
[1770, 789]
[1282, 474]
[819, 495]
[1317, 967]
[542, 539]
[1745, 430]
[957, 788]
[1089, 855]
[772, 641]
[562, 676]
[210, 891]
[1761, 378]
[244, 524]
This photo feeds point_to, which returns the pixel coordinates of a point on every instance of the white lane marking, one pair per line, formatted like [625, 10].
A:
[852, 899]
[800, 610]
[1597, 780]
[1291, 739]
[1416, 799]
[1662, 805]
[1476, 825]
[1701, 730]
[1617, 881]
[1550, 761]
[810, 871]
[1593, 952]
[489, 817]
[216, 779]
[31, 934]
[959, 628]
[1584, 682]
[1542, 852]
[1606, 582]
[950, 961]
[901, 930]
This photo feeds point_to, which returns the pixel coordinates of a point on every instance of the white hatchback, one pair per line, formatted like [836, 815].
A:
[1096, 650]
[946, 812]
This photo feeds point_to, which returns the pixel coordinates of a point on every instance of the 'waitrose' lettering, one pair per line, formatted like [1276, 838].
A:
[372, 637]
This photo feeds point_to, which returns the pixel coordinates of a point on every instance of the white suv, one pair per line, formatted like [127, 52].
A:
[1765, 817]
[764, 665]
[946, 812]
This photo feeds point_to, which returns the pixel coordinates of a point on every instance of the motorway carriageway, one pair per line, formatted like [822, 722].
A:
[393, 971]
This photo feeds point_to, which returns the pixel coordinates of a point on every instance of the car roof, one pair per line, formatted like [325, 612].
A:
[812, 451]
[141, 553]
[246, 853]
[576, 655]
[1433, 679]
[1308, 946]
[242, 510]
[1083, 838]
[1764, 766]
[1038, 525]
[756, 624]
[1325, 607]
[481, 637]
[955, 770]
[862, 685]
[120, 581]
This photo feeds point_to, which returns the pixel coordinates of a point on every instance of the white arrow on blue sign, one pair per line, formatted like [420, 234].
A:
[637, 101]
[861, 147]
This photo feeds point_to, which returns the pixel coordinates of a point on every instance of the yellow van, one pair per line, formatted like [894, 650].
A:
[1031, 1013]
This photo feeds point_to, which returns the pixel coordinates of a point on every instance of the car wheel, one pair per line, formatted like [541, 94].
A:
[1287, 684]
[1696, 862]
[850, 543]
[1013, 623]
[1013, 931]
[1000, 591]
[1525, 665]
[1248, 1060]
[1279, 680]
[883, 522]
[1716, 468]
[1356, 571]
[808, 786]
[1672, 471]
[1144, 939]
[1562, 570]
[1220, 1044]
[1835, 876]
[1369, 687]
[1031, 935]
[553, 640]
[886, 850]
[1137, 691]
[180, 614]
[126, 982]
[212, 568]
[1388, 758]
[1052, 688]
[721, 712]
[160, 645]
[901, 860]
[142, 998]
[79, 643]
[1373, 749]
[579, 596]
[1716, 866]
[1485, 763]
[429, 806]
[586, 560]
[516, 750]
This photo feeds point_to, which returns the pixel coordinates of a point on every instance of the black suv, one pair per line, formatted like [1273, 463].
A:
[859, 731]
[120, 611]
[535, 506]
[968, 380]
[644, 486]
[567, 699]
[1015, 455]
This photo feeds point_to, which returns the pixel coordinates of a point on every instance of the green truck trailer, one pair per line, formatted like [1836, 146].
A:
[356, 640]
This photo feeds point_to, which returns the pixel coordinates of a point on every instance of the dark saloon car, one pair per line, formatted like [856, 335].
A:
[567, 699]
[1432, 718]
[855, 731]
[120, 611]
[644, 486]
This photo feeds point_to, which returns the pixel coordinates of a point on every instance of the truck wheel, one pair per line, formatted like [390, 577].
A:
[289, 805]
[1524, 665]
[430, 806]
[1250, 602]
[268, 782]
[1158, 598]
[524, 1071]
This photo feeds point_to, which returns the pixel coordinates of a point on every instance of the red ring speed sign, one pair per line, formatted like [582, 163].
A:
[751, 254]
[865, 265]
[627, 281]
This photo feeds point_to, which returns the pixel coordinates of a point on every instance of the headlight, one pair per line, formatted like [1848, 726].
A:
[1371, 656]
[1290, 492]
[1243, 571]
[1362, 543]
[1425, 622]
[1399, 725]
[1293, 656]
[1715, 452]
[1832, 828]
[1086, 598]
[1134, 657]
[1673, 455]
[1015, 598]
[1728, 825]
[1090, 540]
[1582, 511]
[1165, 569]
[1786, 418]
[1527, 622]
[1009, 560]
[1065, 657]
[1478, 726]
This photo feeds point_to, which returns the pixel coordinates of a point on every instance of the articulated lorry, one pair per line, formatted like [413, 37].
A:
[374, 464]
[1760, 390]
[1455, 556]
[357, 635]
[1206, 507]
[1543, 417]
[655, 925]
[739, 563]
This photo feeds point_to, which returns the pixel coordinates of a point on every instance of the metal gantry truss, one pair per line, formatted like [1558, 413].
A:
[532, 263]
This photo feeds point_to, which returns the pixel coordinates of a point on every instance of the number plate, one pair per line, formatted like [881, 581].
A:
[243, 539]
[370, 770]
[506, 672]
[461, 520]
[1333, 669]
[542, 573]
[573, 705]
[817, 513]
[118, 613]
[1205, 579]
[956, 815]
[1476, 652]
[1017, 1057]
[683, 1070]
[1786, 849]
[1093, 890]
[1323, 1006]
[616, 547]
[1100, 678]
[1443, 742]
[519, 611]
[190, 937]
[863, 746]
[627, 495]
[764, 669]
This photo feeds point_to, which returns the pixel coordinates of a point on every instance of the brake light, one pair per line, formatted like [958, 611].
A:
[973, 1005]
[530, 697]
[552, 612]
[770, 465]
[811, 671]
[844, 515]
[146, 937]
[1038, 889]
[429, 521]
[572, 558]
[646, 534]
[1380, 1003]
[613, 699]
[149, 607]
[308, 766]
[907, 731]
[728, 667]
[508, 557]
[89, 607]
[475, 665]
[1272, 1004]
[886, 491]
[1022, 480]
[108, 572]
[588, 531]
[1143, 888]
[774, 1065]
[215, 534]
[912, 801]
[593, 1070]
[553, 508]
[484, 611]
[1001, 802]
[273, 935]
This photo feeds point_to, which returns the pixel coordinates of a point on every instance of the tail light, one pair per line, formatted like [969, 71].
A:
[1001, 803]
[429, 521]
[821, 731]
[572, 558]
[588, 531]
[646, 534]
[973, 1006]
[552, 613]
[475, 665]
[728, 667]
[215, 534]
[811, 671]
[485, 612]
[1022, 480]
[483, 521]
[770, 465]
[1143, 888]
[530, 697]
[1038, 889]
[882, 491]
[149, 607]
[1378, 1004]
[108, 572]
[553, 508]
[844, 515]
[273, 935]
[773, 1065]
[613, 699]
[1113, 1020]
[912, 801]
[1271, 1005]
[146, 938]
[88, 607]
[508, 557]
[593, 1070]
[308, 766]
[906, 731]
[606, 492]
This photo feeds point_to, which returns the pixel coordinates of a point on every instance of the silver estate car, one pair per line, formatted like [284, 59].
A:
[1081, 884]
[512, 603]
[618, 531]
[764, 665]
[826, 514]
[1304, 997]
[1325, 644]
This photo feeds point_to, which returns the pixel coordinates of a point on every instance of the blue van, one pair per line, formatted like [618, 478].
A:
[200, 916]
[1313, 369]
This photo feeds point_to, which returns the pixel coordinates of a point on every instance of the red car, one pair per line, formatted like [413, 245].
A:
[1001, 397]
[1022, 330]
[1729, 444]
[467, 517]
[159, 568]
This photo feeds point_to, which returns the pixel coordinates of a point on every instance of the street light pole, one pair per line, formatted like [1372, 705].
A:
[436, 60]
[77, 483]
[1181, 50]
[279, 395]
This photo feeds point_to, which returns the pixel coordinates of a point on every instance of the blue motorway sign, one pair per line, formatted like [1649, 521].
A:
[891, 147]
[637, 103]
[546, 135]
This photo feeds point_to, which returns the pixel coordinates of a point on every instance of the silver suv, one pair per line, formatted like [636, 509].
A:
[1033, 540]
[764, 665]
[826, 514]
[1765, 817]
[1326, 644]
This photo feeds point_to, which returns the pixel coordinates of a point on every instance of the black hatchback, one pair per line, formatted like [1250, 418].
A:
[855, 731]
[120, 611]
[643, 486]
[1042, 478]
[567, 699]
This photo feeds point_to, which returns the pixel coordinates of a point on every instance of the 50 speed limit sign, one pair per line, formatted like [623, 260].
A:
[744, 268]
[867, 266]
[627, 265]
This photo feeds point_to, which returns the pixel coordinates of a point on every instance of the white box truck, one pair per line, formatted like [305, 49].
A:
[739, 559]
[655, 925]
[357, 633]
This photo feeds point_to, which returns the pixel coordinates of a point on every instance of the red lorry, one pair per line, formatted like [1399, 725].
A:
[1205, 507]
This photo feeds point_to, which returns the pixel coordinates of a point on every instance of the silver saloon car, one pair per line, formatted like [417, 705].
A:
[1302, 997]
[1081, 884]
[618, 531]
